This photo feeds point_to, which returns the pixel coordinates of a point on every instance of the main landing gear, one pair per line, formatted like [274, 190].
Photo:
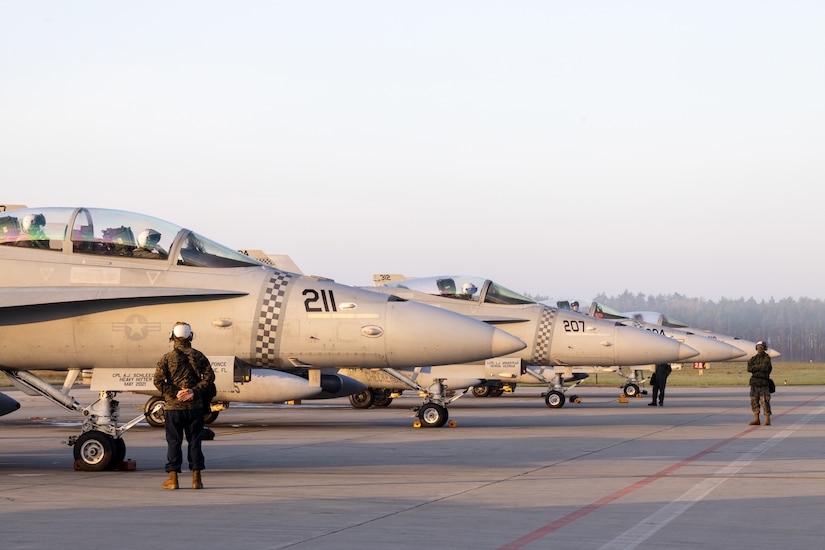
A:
[432, 413]
[155, 417]
[100, 445]
[372, 397]
[631, 387]
[556, 397]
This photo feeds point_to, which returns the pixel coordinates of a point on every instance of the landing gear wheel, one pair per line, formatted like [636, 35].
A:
[433, 415]
[382, 398]
[498, 392]
[481, 391]
[94, 451]
[154, 412]
[210, 417]
[119, 454]
[362, 400]
[631, 390]
[554, 399]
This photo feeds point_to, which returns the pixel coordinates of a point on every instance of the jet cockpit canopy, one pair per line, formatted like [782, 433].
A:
[463, 287]
[107, 232]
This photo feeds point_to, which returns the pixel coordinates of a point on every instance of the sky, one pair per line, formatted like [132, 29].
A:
[562, 149]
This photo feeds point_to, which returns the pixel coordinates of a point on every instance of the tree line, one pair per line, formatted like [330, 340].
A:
[792, 327]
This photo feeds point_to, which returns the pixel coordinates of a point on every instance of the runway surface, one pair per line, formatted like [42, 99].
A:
[513, 474]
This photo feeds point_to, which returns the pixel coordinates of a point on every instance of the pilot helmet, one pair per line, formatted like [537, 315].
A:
[469, 288]
[32, 222]
[148, 238]
[182, 331]
[574, 304]
[761, 343]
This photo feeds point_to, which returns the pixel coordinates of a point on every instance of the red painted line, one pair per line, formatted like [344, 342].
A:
[545, 530]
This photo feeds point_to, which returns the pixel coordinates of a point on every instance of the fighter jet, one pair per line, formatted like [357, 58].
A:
[652, 320]
[662, 320]
[555, 338]
[90, 288]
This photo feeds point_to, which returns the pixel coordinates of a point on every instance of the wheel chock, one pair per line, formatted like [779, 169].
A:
[452, 424]
[638, 395]
[623, 398]
[127, 465]
[417, 424]
[575, 399]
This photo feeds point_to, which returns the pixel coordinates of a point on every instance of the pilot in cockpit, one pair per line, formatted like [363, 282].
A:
[467, 291]
[148, 246]
[32, 234]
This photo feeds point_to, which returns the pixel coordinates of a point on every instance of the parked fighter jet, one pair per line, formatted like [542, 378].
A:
[653, 320]
[87, 288]
[660, 319]
[710, 349]
[555, 338]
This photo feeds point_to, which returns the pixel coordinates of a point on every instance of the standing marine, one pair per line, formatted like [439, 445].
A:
[760, 368]
[183, 376]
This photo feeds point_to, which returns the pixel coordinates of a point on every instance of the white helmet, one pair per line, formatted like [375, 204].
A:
[148, 237]
[182, 330]
[32, 222]
[469, 288]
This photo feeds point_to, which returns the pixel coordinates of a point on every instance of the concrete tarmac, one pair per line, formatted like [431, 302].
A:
[513, 474]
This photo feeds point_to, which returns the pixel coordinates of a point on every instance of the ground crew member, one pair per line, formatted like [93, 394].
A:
[659, 381]
[760, 368]
[182, 376]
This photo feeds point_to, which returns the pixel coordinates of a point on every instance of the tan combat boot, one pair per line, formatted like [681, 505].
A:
[196, 480]
[767, 420]
[172, 482]
[755, 421]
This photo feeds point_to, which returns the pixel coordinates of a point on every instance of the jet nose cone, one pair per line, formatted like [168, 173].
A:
[505, 343]
[711, 350]
[642, 347]
[685, 352]
[418, 334]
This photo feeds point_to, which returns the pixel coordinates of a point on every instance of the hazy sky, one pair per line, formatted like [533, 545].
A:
[559, 148]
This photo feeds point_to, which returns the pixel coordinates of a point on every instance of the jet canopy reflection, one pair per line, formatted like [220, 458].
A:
[464, 288]
[651, 317]
[105, 232]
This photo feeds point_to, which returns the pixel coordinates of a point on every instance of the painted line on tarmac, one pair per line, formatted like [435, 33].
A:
[656, 521]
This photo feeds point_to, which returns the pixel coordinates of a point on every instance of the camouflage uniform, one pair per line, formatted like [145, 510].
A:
[183, 368]
[760, 368]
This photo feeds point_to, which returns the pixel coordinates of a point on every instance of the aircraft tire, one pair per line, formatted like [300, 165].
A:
[94, 451]
[154, 412]
[210, 417]
[498, 392]
[433, 415]
[630, 390]
[481, 391]
[362, 400]
[382, 398]
[554, 399]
